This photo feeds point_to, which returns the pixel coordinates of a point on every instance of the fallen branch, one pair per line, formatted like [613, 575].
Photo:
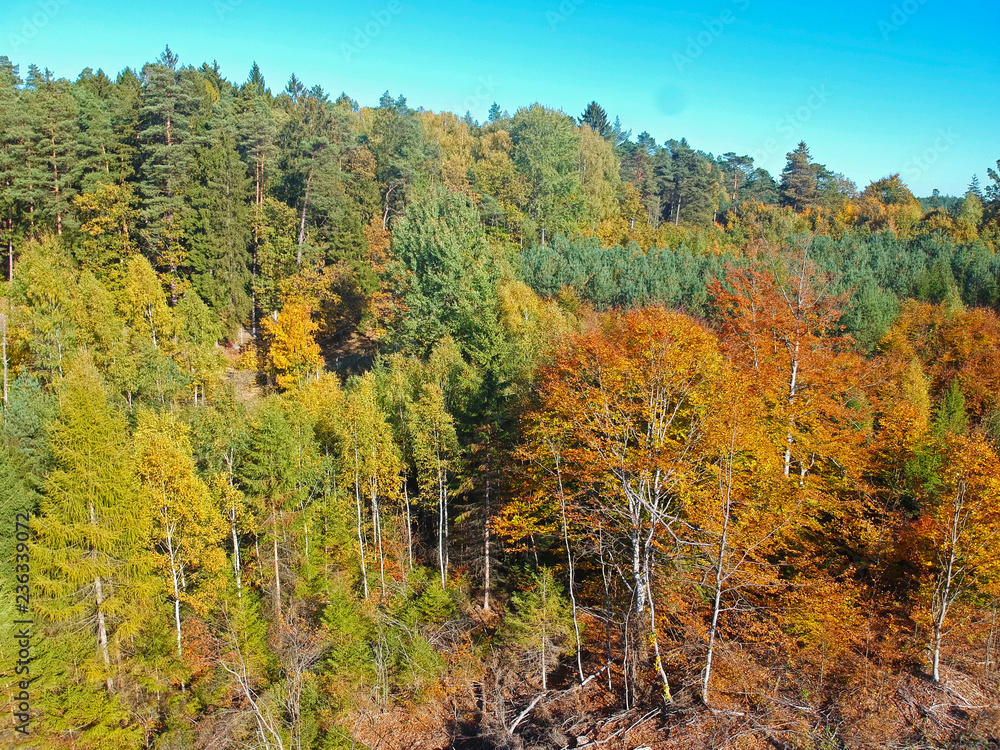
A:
[623, 730]
[526, 711]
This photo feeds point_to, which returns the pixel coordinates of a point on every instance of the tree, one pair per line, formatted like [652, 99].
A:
[53, 112]
[629, 402]
[368, 454]
[693, 184]
[399, 152]
[142, 304]
[219, 224]
[738, 518]
[46, 287]
[497, 177]
[595, 116]
[436, 453]
[546, 151]
[93, 529]
[167, 105]
[600, 178]
[781, 323]
[188, 528]
[267, 474]
[292, 351]
[957, 534]
[539, 623]
[799, 184]
[443, 273]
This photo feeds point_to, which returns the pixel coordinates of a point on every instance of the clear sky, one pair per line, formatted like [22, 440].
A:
[876, 87]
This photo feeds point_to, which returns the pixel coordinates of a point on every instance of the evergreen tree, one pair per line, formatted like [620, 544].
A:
[694, 184]
[93, 531]
[595, 116]
[266, 474]
[218, 225]
[951, 418]
[799, 184]
[167, 105]
[974, 187]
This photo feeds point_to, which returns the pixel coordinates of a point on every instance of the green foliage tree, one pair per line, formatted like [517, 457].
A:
[799, 184]
[95, 572]
[540, 623]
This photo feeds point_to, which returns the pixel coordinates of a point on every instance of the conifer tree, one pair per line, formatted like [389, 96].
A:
[266, 473]
[595, 116]
[799, 187]
[94, 530]
[167, 105]
[218, 224]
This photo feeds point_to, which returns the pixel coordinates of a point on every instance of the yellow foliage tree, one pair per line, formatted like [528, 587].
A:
[189, 527]
[292, 352]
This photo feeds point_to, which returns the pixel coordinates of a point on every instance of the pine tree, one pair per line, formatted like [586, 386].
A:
[167, 105]
[53, 111]
[799, 187]
[266, 473]
[218, 224]
[974, 187]
[21, 193]
[595, 116]
[694, 185]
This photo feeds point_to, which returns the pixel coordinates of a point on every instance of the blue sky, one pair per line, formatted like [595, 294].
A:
[876, 87]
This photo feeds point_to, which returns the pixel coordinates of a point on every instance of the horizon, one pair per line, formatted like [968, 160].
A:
[925, 116]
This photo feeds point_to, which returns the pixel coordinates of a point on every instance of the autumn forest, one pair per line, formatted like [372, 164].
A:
[331, 426]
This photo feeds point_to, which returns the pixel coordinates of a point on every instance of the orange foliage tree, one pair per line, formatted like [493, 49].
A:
[620, 429]
[781, 327]
[958, 534]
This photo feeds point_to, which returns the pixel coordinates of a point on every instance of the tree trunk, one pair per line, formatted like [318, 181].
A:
[277, 572]
[102, 630]
[569, 563]
[361, 538]
[236, 558]
[177, 594]
[302, 222]
[409, 526]
[377, 530]
[486, 551]
[720, 571]
[5, 360]
[792, 390]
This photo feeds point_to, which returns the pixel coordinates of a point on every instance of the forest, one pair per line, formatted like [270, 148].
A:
[329, 426]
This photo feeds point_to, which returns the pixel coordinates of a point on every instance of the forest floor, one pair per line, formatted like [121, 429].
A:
[902, 711]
